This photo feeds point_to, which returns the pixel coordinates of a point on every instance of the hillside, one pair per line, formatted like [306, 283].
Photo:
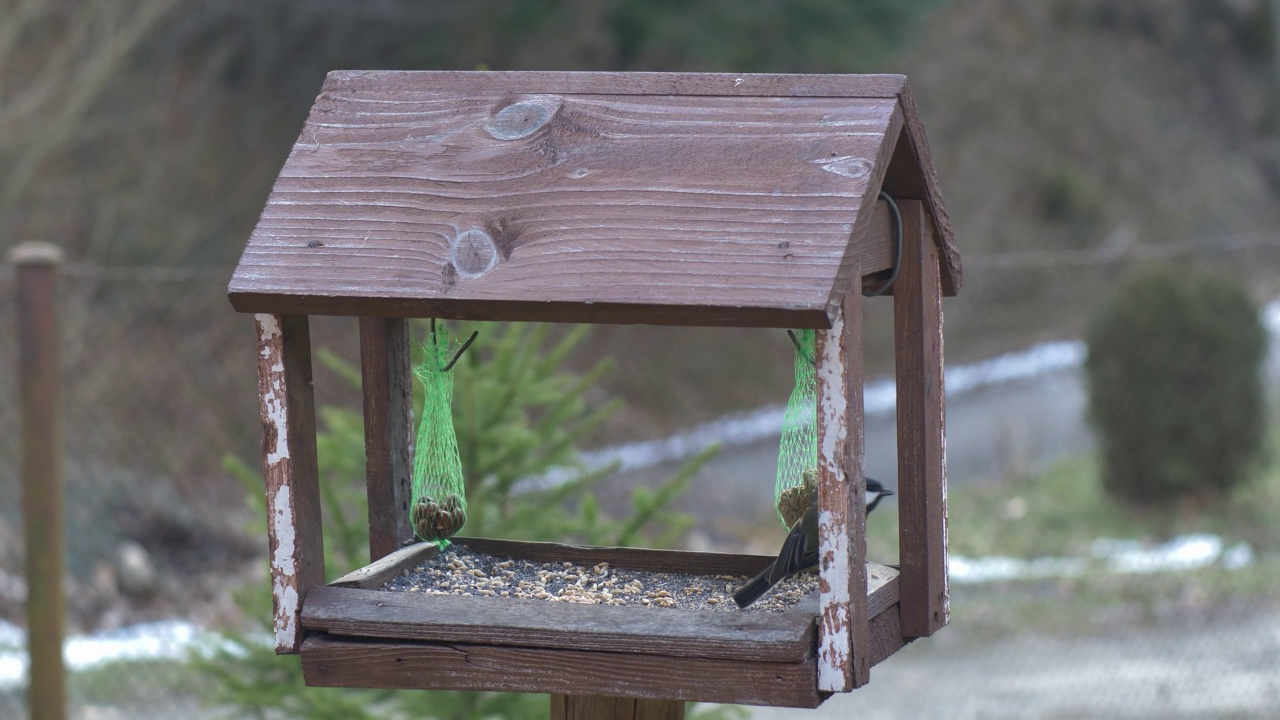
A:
[1074, 141]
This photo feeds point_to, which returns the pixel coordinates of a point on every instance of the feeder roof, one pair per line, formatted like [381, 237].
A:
[663, 198]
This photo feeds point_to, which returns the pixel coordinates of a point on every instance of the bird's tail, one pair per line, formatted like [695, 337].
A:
[754, 589]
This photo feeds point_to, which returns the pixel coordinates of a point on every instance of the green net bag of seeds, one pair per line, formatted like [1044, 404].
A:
[439, 506]
[798, 452]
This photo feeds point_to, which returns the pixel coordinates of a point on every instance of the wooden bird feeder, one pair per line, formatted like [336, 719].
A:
[668, 199]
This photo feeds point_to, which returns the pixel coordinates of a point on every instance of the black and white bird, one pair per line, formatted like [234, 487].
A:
[800, 549]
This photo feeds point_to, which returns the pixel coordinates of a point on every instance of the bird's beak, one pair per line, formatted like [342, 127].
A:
[887, 491]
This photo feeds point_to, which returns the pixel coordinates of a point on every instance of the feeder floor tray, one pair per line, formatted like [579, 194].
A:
[360, 635]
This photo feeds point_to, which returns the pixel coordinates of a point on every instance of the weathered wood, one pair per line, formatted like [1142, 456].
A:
[387, 385]
[598, 707]
[911, 175]
[886, 635]
[36, 280]
[867, 229]
[377, 573]
[683, 199]
[289, 467]
[922, 472]
[449, 195]
[415, 84]
[756, 636]
[343, 662]
[844, 646]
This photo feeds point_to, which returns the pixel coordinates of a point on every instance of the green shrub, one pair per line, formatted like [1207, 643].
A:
[1175, 393]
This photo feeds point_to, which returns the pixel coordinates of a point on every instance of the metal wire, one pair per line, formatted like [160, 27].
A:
[897, 258]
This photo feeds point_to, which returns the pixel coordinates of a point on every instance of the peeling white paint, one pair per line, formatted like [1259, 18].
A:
[832, 403]
[268, 331]
[834, 652]
[274, 412]
[286, 616]
[284, 567]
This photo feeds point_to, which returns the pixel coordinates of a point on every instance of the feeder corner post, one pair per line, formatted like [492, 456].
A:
[844, 641]
[921, 412]
[387, 388]
[290, 471]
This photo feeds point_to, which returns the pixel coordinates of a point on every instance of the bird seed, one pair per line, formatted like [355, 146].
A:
[462, 571]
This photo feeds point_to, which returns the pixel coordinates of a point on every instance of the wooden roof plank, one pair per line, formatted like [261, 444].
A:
[595, 198]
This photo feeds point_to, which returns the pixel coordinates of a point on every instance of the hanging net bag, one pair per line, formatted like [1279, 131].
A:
[797, 481]
[439, 506]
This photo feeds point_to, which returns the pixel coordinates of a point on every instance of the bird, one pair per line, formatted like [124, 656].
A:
[800, 549]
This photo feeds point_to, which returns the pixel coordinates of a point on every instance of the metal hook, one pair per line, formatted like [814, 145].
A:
[458, 355]
[461, 350]
[800, 348]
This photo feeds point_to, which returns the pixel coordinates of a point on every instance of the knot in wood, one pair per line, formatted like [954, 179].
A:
[522, 119]
[850, 167]
[473, 252]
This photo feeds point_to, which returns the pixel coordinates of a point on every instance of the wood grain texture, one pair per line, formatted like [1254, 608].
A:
[480, 620]
[289, 467]
[854, 268]
[598, 707]
[542, 197]
[922, 472]
[414, 83]
[886, 635]
[844, 646]
[377, 573]
[387, 386]
[911, 175]
[343, 662]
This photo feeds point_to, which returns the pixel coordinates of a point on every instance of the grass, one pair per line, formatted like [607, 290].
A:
[1060, 512]
[135, 682]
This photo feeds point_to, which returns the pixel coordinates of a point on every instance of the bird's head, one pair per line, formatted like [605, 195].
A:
[875, 493]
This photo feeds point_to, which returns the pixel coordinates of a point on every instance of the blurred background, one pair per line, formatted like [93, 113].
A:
[1079, 144]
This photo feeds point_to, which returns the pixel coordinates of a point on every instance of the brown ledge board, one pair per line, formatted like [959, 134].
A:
[360, 637]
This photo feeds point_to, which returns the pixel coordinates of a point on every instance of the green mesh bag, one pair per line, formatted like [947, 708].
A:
[439, 506]
[798, 452]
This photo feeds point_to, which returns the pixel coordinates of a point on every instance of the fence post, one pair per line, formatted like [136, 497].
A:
[35, 265]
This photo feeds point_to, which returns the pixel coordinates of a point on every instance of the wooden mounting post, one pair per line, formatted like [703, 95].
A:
[922, 471]
[844, 642]
[296, 544]
[597, 707]
[388, 431]
[36, 265]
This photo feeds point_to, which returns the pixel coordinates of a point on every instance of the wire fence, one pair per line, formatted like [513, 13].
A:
[160, 386]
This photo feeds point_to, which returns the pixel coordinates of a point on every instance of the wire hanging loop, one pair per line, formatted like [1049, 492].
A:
[897, 257]
[800, 349]
[458, 355]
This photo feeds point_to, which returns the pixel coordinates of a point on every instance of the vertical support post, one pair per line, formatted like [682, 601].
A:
[922, 464]
[844, 641]
[597, 707]
[289, 469]
[36, 264]
[388, 431]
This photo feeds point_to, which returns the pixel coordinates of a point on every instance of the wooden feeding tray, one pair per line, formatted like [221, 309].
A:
[360, 635]
[667, 199]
